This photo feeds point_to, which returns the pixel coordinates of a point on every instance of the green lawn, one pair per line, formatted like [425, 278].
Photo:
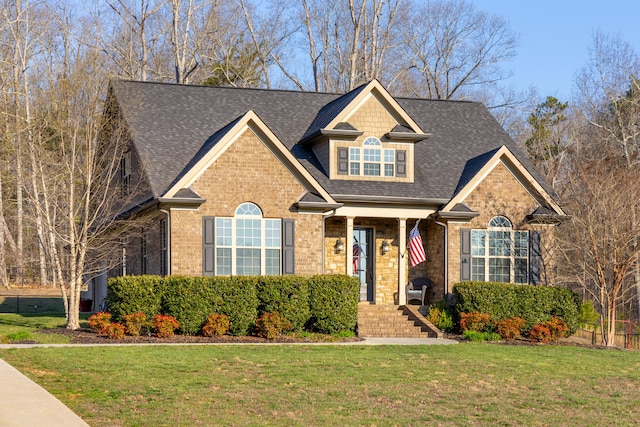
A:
[465, 384]
[27, 326]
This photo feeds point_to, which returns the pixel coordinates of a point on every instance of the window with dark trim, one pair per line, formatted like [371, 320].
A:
[499, 253]
[248, 243]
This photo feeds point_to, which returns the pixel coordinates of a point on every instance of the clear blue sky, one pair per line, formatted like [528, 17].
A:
[554, 37]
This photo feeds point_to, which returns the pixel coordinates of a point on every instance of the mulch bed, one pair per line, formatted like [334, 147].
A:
[87, 336]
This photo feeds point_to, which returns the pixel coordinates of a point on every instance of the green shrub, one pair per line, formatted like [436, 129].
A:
[333, 301]
[236, 297]
[271, 325]
[441, 317]
[287, 295]
[164, 326]
[190, 300]
[510, 328]
[134, 323]
[98, 322]
[134, 294]
[588, 317]
[535, 304]
[114, 331]
[216, 325]
[471, 335]
[475, 321]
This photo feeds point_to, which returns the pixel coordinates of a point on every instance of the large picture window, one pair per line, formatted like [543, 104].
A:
[499, 253]
[248, 243]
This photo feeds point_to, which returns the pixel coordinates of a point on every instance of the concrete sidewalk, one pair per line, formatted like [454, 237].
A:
[24, 403]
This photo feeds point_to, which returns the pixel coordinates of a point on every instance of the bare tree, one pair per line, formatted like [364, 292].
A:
[349, 42]
[609, 98]
[599, 244]
[453, 50]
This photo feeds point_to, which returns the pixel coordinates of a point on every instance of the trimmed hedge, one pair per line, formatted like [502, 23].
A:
[237, 298]
[333, 300]
[325, 303]
[286, 295]
[535, 304]
[134, 294]
[190, 300]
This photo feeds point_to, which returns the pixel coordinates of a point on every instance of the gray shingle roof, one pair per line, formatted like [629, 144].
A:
[172, 125]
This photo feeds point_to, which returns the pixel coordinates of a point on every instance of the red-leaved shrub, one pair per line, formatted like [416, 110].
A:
[115, 331]
[540, 333]
[475, 321]
[165, 326]
[216, 325]
[98, 322]
[134, 323]
[510, 328]
[271, 325]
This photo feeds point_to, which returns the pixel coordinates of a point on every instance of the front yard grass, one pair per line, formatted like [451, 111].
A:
[27, 327]
[465, 384]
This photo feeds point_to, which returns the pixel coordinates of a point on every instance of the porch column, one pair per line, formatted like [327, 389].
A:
[402, 264]
[349, 246]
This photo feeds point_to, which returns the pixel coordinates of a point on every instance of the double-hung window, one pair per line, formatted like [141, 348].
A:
[499, 253]
[371, 159]
[248, 243]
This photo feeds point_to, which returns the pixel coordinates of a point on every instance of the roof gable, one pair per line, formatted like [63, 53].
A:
[219, 142]
[478, 168]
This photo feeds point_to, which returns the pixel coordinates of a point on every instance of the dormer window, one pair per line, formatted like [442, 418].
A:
[371, 159]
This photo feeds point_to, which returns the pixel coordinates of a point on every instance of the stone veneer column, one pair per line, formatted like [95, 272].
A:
[402, 265]
[349, 247]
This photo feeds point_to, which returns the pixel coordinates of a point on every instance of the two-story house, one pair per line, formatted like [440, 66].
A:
[256, 182]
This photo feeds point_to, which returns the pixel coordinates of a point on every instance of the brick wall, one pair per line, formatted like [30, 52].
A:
[500, 193]
[246, 172]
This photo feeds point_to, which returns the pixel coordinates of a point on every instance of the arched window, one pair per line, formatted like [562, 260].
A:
[371, 159]
[499, 253]
[248, 243]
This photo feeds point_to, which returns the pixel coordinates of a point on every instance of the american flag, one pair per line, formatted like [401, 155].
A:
[416, 250]
[356, 256]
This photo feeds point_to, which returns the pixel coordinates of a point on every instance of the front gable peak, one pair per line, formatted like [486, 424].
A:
[218, 143]
[477, 169]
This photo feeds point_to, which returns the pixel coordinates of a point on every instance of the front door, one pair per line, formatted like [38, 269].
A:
[363, 252]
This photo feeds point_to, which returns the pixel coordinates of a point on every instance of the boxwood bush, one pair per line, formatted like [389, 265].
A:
[286, 295]
[333, 301]
[134, 294]
[535, 304]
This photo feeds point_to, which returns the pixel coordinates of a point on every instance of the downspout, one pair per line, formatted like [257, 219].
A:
[168, 214]
[446, 258]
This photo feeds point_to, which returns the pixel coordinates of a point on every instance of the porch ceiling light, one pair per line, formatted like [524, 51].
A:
[339, 246]
[386, 248]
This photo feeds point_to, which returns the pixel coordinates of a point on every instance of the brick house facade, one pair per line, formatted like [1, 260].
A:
[246, 181]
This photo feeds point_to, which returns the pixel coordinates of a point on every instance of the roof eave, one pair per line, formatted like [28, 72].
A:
[345, 198]
[181, 202]
[317, 207]
[546, 218]
[336, 133]
[407, 136]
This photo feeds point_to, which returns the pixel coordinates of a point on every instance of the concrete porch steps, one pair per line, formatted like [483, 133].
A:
[393, 321]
